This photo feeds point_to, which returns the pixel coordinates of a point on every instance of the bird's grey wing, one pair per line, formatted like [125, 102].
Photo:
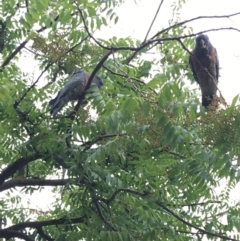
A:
[217, 66]
[191, 63]
[74, 80]
[74, 86]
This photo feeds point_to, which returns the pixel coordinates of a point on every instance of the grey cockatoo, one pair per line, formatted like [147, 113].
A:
[204, 64]
[72, 90]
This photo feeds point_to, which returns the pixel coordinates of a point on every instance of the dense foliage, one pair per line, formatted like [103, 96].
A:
[140, 160]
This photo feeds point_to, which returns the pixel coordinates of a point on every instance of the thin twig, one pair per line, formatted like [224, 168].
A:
[109, 200]
[88, 144]
[191, 20]
[192, 225]
[160, 5]
[26, 3]
[87, 30]
[32, 86]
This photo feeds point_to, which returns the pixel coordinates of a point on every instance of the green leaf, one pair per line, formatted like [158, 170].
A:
[44, 3]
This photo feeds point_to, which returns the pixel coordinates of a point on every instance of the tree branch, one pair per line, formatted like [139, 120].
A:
[200, 204]
[109, 200]
[26, 3]
[160, 5]
[22, 45]
[87, 30]
[39, 224]
[44, 235]
[191, 20]
[124, 75]
[7, 234]
[192, 225]
[13, 167]
[13, 54]
[145, 39]
[35, 182]
[88, 144]
[17, 102]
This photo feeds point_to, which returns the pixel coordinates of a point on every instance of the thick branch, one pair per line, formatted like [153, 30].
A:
[35, 182]
[44, 235]
[13, 54]
[13, 167]
[7, 234]
[39, 224]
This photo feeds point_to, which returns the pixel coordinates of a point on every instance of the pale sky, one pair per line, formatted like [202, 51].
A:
[135, 20]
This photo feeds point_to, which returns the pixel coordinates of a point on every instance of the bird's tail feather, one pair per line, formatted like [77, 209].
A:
[211, 100]
[57, 105]
[206, 101]
[56, 108]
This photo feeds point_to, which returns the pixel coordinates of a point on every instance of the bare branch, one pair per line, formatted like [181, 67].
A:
[160, 5]
[191, 20]
[17, 102]
[87, 30]
[124, 75]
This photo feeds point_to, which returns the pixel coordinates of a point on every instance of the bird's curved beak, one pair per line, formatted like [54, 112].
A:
[203, 44]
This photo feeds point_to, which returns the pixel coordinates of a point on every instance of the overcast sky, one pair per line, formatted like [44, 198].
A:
[135, 20]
